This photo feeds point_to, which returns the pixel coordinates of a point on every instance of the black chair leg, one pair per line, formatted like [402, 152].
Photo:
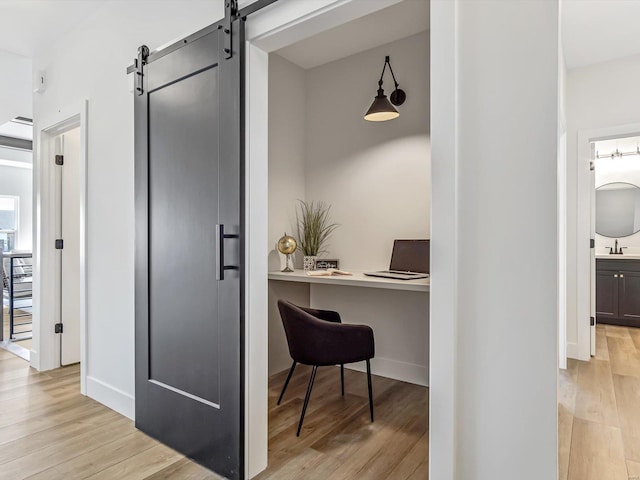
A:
[370, 389]
[306, 399]
[286, 382]
[342, 377]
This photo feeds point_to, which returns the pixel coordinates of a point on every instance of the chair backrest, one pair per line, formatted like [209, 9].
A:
[315, 341]
[294, 320]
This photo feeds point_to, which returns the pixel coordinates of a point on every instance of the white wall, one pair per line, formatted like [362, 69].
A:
[599, 96]
[287, 120]
[17, 181]
[101, 48]
[375, 175]
[494, 240]
[287, 135]
[15, 86]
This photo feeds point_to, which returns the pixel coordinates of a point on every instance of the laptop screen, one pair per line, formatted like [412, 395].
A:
[410, 256]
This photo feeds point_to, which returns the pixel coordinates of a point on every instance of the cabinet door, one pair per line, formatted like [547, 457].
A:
[607, 294]
[629, 296]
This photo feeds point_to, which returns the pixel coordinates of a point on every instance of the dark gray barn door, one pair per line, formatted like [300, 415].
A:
[188, 174]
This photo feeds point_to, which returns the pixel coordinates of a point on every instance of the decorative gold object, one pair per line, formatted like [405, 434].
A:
[287, 245]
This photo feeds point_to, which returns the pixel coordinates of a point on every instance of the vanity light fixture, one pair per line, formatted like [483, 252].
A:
[618, 154]
[382, 109]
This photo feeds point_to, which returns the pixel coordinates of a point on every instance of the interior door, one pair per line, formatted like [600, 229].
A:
[67, 187]
[70, 260]
[592, 251]
[188, 174]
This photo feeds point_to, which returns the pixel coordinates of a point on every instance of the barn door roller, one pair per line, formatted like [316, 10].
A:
[140, 62]
[230, 14]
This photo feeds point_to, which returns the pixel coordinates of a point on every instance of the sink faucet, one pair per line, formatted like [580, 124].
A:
[615, 250]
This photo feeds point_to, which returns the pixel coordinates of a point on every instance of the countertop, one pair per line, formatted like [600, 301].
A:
[624, 256]
[356, 280]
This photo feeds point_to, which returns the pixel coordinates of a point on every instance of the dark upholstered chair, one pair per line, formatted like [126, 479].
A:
[319, 338]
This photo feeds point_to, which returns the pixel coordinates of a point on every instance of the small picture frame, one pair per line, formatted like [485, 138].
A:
[324, 264]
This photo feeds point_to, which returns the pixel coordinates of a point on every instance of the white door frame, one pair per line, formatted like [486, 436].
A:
[270, 29]
[45, 354]
[583, 251]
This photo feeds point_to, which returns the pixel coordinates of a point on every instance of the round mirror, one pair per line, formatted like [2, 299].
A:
[617, 209]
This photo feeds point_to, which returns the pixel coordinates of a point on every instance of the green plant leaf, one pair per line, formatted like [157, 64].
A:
[314, 226]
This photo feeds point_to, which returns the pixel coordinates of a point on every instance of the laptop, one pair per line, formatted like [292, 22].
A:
[409, 261]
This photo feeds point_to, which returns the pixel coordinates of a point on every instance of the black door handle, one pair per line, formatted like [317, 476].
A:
[221, 236]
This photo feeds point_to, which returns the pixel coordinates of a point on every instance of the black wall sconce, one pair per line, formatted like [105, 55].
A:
[382, 109]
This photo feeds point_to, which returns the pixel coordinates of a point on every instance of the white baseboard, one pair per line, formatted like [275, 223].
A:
[34, 359]
[112, 397]
[574, 352]
[405, 372]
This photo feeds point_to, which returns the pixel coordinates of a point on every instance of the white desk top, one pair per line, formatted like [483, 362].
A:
[355, 280]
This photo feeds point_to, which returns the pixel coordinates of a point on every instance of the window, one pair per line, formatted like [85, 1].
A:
[8, 222]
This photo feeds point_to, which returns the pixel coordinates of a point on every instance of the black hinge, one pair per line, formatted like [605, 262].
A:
[139, 63]
[592, 243]
[59, 159]
[593, 321]
[58, 328]
[59, 244]
[230, 13]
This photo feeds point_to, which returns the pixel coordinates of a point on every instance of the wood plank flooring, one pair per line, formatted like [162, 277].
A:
[48, 431]
[338, 440]
[598, 410]
[22, 347]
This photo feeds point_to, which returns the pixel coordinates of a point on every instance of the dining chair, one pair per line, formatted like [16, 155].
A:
[319, 338]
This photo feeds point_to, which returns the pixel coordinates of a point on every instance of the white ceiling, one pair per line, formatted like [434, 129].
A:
[384, 26]
[26, 25]
[595, 31]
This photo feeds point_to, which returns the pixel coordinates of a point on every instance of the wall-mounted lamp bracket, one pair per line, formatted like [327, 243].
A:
[398, 96]
[383, 108]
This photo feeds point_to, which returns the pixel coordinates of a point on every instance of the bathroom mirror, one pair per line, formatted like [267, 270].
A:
[617, 209]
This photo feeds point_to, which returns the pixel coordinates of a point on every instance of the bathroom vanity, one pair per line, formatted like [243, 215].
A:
[618, 289]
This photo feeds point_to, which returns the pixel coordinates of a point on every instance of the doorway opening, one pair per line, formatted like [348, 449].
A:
[16, 225]
[598, 390]
[616, 226]
[60, 273]
[375, 177]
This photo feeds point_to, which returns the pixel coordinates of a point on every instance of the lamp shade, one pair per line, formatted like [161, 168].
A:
[381, 109]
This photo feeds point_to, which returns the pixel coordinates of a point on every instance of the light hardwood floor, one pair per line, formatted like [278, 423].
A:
[25, 344]
[48, 431]
[338, 440]
[599, 410]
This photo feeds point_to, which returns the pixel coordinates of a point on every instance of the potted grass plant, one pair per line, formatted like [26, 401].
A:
[314, 229]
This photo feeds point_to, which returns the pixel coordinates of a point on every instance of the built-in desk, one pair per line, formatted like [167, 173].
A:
[397, 310]
[355, 280]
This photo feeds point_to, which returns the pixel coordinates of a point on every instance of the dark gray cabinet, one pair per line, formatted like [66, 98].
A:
[618, 291]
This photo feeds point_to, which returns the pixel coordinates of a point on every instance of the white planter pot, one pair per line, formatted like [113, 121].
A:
[309, 262]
